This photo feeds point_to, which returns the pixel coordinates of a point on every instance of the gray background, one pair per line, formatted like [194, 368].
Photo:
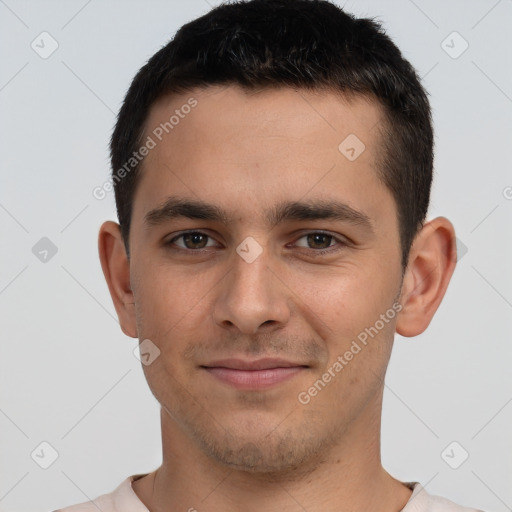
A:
[68, 374]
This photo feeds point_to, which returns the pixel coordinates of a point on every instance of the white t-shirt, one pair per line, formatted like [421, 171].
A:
[124, 499]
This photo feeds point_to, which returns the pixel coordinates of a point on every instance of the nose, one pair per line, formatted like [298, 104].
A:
[252, 298]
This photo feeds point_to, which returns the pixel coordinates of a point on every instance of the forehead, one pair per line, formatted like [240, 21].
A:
[262, 112]
[248, 150]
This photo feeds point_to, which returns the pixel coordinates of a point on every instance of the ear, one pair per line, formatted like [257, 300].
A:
[432, 260]
[116, 269]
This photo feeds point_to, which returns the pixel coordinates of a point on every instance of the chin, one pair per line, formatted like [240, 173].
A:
[265, 452]
[258, 457]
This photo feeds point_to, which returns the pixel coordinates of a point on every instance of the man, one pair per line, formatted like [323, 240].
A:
[272, 168]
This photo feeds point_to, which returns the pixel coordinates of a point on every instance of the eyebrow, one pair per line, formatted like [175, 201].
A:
[286, 211]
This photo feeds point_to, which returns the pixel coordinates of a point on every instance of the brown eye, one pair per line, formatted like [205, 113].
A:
[319, 240]
[316, 240]
[195, 240]
[192, 240]
[320, 243]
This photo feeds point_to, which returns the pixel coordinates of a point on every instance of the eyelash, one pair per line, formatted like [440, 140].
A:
[316, 252]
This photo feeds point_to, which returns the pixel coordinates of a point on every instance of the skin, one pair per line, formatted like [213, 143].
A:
[226, 448]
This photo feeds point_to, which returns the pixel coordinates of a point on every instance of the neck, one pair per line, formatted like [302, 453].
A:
[348, 476]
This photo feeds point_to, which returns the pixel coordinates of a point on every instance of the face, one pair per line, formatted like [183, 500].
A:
[265, 266]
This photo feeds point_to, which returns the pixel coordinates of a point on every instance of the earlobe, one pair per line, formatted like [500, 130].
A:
[116, 269]
[432, 260]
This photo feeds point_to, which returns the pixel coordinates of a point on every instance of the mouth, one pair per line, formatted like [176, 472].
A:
[253, 375]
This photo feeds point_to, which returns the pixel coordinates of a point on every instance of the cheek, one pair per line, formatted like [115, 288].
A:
[165, 302]
[344, 309]
[340, 302]
[168, 304]
[355, 371]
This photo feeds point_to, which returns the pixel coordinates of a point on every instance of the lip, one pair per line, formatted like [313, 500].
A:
[257, 374]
